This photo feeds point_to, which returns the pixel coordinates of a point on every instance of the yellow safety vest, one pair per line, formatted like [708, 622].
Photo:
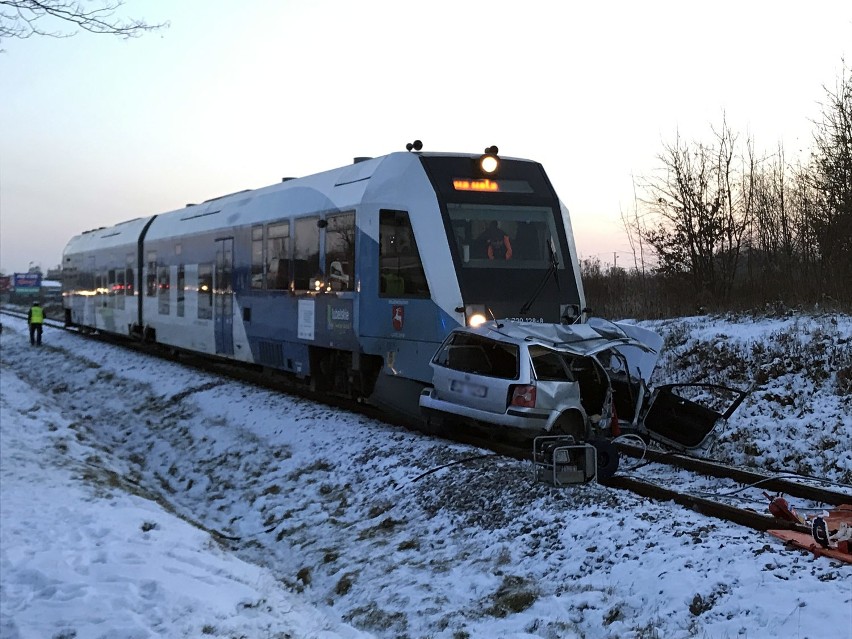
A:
[36, 315]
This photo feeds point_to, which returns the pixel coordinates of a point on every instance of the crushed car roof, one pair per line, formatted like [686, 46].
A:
[580, 339]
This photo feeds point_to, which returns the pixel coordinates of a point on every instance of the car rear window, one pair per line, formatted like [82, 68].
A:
[549, 365]
[478, 355]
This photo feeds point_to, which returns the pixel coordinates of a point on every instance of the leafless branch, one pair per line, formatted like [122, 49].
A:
[24, 19]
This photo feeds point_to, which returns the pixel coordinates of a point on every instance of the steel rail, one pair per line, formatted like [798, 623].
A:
[743, 517]
[718, 469]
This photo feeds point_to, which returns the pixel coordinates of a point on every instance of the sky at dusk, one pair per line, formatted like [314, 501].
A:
[234, 95]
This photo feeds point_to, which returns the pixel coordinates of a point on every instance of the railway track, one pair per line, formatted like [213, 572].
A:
[52, 323]
[794, 487]
[521, 449]
[716, 507]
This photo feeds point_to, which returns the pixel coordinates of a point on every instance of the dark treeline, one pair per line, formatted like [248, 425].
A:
[719, 228]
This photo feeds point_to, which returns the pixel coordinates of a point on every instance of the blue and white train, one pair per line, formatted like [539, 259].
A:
[348, 279]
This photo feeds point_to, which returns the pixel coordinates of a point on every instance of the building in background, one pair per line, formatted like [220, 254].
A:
[26, 287]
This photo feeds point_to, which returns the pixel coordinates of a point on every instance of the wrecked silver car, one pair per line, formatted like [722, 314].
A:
[586, 381]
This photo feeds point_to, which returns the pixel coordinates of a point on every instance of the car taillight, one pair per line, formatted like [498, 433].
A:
[523, 396]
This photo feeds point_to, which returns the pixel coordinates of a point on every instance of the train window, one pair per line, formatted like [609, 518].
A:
[163, 285]
[205, 291]
[111, 287]
[340, 251]
[277, 256]
[88, 278]
[181, 290]
[306, 263]
[128, 274]
[488, 236]
[257, 256]
[151, 282]
[224, 267]
[400, 268]
[119, 289]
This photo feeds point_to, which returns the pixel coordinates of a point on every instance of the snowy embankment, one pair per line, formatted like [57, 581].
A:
[141, 498]
[798, 417]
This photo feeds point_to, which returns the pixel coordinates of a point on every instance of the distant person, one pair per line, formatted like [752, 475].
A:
[35, 319]
[496, 240]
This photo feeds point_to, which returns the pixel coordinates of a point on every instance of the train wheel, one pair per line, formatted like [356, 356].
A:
[607, 457]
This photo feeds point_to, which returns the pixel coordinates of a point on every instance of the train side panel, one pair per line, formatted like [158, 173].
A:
[100, 277]
[231, 308]
[409, 286]
[574, 256]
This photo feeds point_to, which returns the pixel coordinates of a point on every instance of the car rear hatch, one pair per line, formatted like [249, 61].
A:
[476, 371]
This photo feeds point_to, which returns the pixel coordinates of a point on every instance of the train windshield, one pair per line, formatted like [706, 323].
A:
[506, 233]
[504, 237]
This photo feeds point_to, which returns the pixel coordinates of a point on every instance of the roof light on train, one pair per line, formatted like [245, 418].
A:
[489, 162]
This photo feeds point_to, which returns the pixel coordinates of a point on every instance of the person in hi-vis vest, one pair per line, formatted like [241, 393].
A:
[35, 318]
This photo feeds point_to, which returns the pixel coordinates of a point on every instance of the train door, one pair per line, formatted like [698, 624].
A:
[223, 303]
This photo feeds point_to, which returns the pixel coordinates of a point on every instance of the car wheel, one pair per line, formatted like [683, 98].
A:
[607, 457]
[571, 422]
[434, 425]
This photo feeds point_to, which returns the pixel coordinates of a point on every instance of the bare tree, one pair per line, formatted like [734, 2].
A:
[831, 174]
[772, 236]
[631, 227]
[26, 18]
[698, 208]
[712, 206]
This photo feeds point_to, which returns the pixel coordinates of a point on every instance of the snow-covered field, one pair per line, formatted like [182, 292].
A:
[139, 498]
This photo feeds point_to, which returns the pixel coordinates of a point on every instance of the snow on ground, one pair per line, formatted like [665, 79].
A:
[799, 414]
[140, 498]
[85, 554]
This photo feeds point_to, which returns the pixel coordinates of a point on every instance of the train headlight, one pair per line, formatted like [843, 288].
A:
[489, 162]
[477, 319]
[475, 314]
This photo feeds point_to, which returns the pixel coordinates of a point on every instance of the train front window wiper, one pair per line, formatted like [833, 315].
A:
[553, 269]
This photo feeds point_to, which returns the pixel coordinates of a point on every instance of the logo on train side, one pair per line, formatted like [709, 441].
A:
[338, 318]
[398, 317]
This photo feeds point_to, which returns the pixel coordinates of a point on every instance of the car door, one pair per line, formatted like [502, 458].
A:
[683, 416]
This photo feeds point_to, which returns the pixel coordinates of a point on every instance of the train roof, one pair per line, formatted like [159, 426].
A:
[361, 169]
[335, 189]
[123, 234]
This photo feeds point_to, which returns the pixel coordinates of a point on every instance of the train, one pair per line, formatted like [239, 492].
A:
[347, 280]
